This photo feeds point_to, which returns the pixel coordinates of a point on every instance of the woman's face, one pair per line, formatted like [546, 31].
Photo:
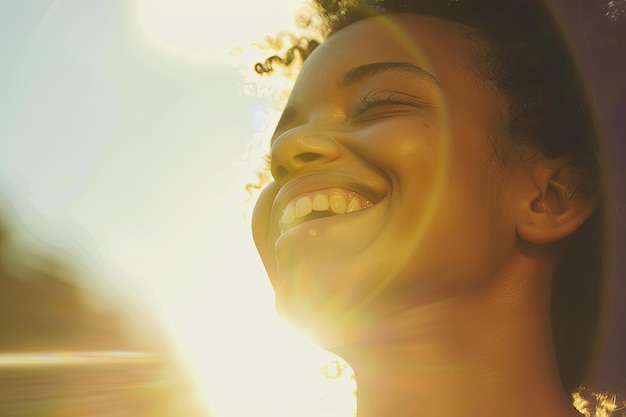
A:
[387, 194]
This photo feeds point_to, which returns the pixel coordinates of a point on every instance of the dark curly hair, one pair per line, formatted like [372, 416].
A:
[520, 50]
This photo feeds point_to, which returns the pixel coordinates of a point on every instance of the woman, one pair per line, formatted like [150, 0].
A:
[437, 213]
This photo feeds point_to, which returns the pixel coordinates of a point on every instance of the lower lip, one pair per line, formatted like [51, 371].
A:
[317, 227]
[311, 225]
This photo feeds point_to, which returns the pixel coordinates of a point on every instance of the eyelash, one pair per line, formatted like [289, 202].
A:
[374, 98]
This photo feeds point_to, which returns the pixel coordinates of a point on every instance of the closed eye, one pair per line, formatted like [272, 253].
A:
[377, 98]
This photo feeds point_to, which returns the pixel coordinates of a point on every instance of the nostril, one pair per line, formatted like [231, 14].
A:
[307, 157]
[297, 161]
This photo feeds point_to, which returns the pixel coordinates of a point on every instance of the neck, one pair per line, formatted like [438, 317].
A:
[474, 355]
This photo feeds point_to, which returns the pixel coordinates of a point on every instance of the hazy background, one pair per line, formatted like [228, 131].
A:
[128, 132]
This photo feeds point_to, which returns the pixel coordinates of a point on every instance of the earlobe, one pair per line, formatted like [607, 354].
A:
[562, 201]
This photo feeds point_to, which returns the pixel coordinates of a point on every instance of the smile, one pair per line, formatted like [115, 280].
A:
[320, 204]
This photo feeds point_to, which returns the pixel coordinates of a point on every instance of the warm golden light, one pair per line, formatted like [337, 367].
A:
[597, 404]
[199, 28]
[246, 361]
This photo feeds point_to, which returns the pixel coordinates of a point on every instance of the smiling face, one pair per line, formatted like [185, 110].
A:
[386, 194]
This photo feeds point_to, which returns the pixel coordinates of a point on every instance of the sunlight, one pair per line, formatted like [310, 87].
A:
[246, 361]
[197, 28]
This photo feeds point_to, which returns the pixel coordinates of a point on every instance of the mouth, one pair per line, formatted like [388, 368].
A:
[321, 204]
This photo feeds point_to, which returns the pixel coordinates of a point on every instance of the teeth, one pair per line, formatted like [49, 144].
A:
[320, 203]
[353, 206]
[337, 203]
[289, 215]
[303, 207]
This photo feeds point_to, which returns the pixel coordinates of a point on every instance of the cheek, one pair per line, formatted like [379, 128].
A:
[399, 142]
[475, 234]
[449, 227]
[413, 155]
[422, 220]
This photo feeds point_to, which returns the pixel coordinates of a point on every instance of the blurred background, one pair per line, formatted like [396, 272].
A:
[129, 283]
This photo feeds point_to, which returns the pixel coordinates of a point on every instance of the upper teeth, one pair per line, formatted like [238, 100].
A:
[336, 201]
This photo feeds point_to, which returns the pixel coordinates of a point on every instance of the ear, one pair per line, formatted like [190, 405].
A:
[561, 201]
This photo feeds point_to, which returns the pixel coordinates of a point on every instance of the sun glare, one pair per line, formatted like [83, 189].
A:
[247, 362]
[200, 28]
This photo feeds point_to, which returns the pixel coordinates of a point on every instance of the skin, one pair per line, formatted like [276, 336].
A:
[438, 294]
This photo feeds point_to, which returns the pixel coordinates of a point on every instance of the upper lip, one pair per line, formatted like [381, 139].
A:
[373, 189]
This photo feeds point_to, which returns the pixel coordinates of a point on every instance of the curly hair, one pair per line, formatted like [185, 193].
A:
[518, 47]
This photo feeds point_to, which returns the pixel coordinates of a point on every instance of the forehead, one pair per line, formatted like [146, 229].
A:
[431, 44]
[438, 48]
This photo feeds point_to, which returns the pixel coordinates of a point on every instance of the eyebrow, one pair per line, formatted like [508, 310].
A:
[362, 72]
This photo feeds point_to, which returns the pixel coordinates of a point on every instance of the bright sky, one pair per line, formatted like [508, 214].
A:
[126, 138]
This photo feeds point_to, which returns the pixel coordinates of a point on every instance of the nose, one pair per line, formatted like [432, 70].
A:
[300, 148]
